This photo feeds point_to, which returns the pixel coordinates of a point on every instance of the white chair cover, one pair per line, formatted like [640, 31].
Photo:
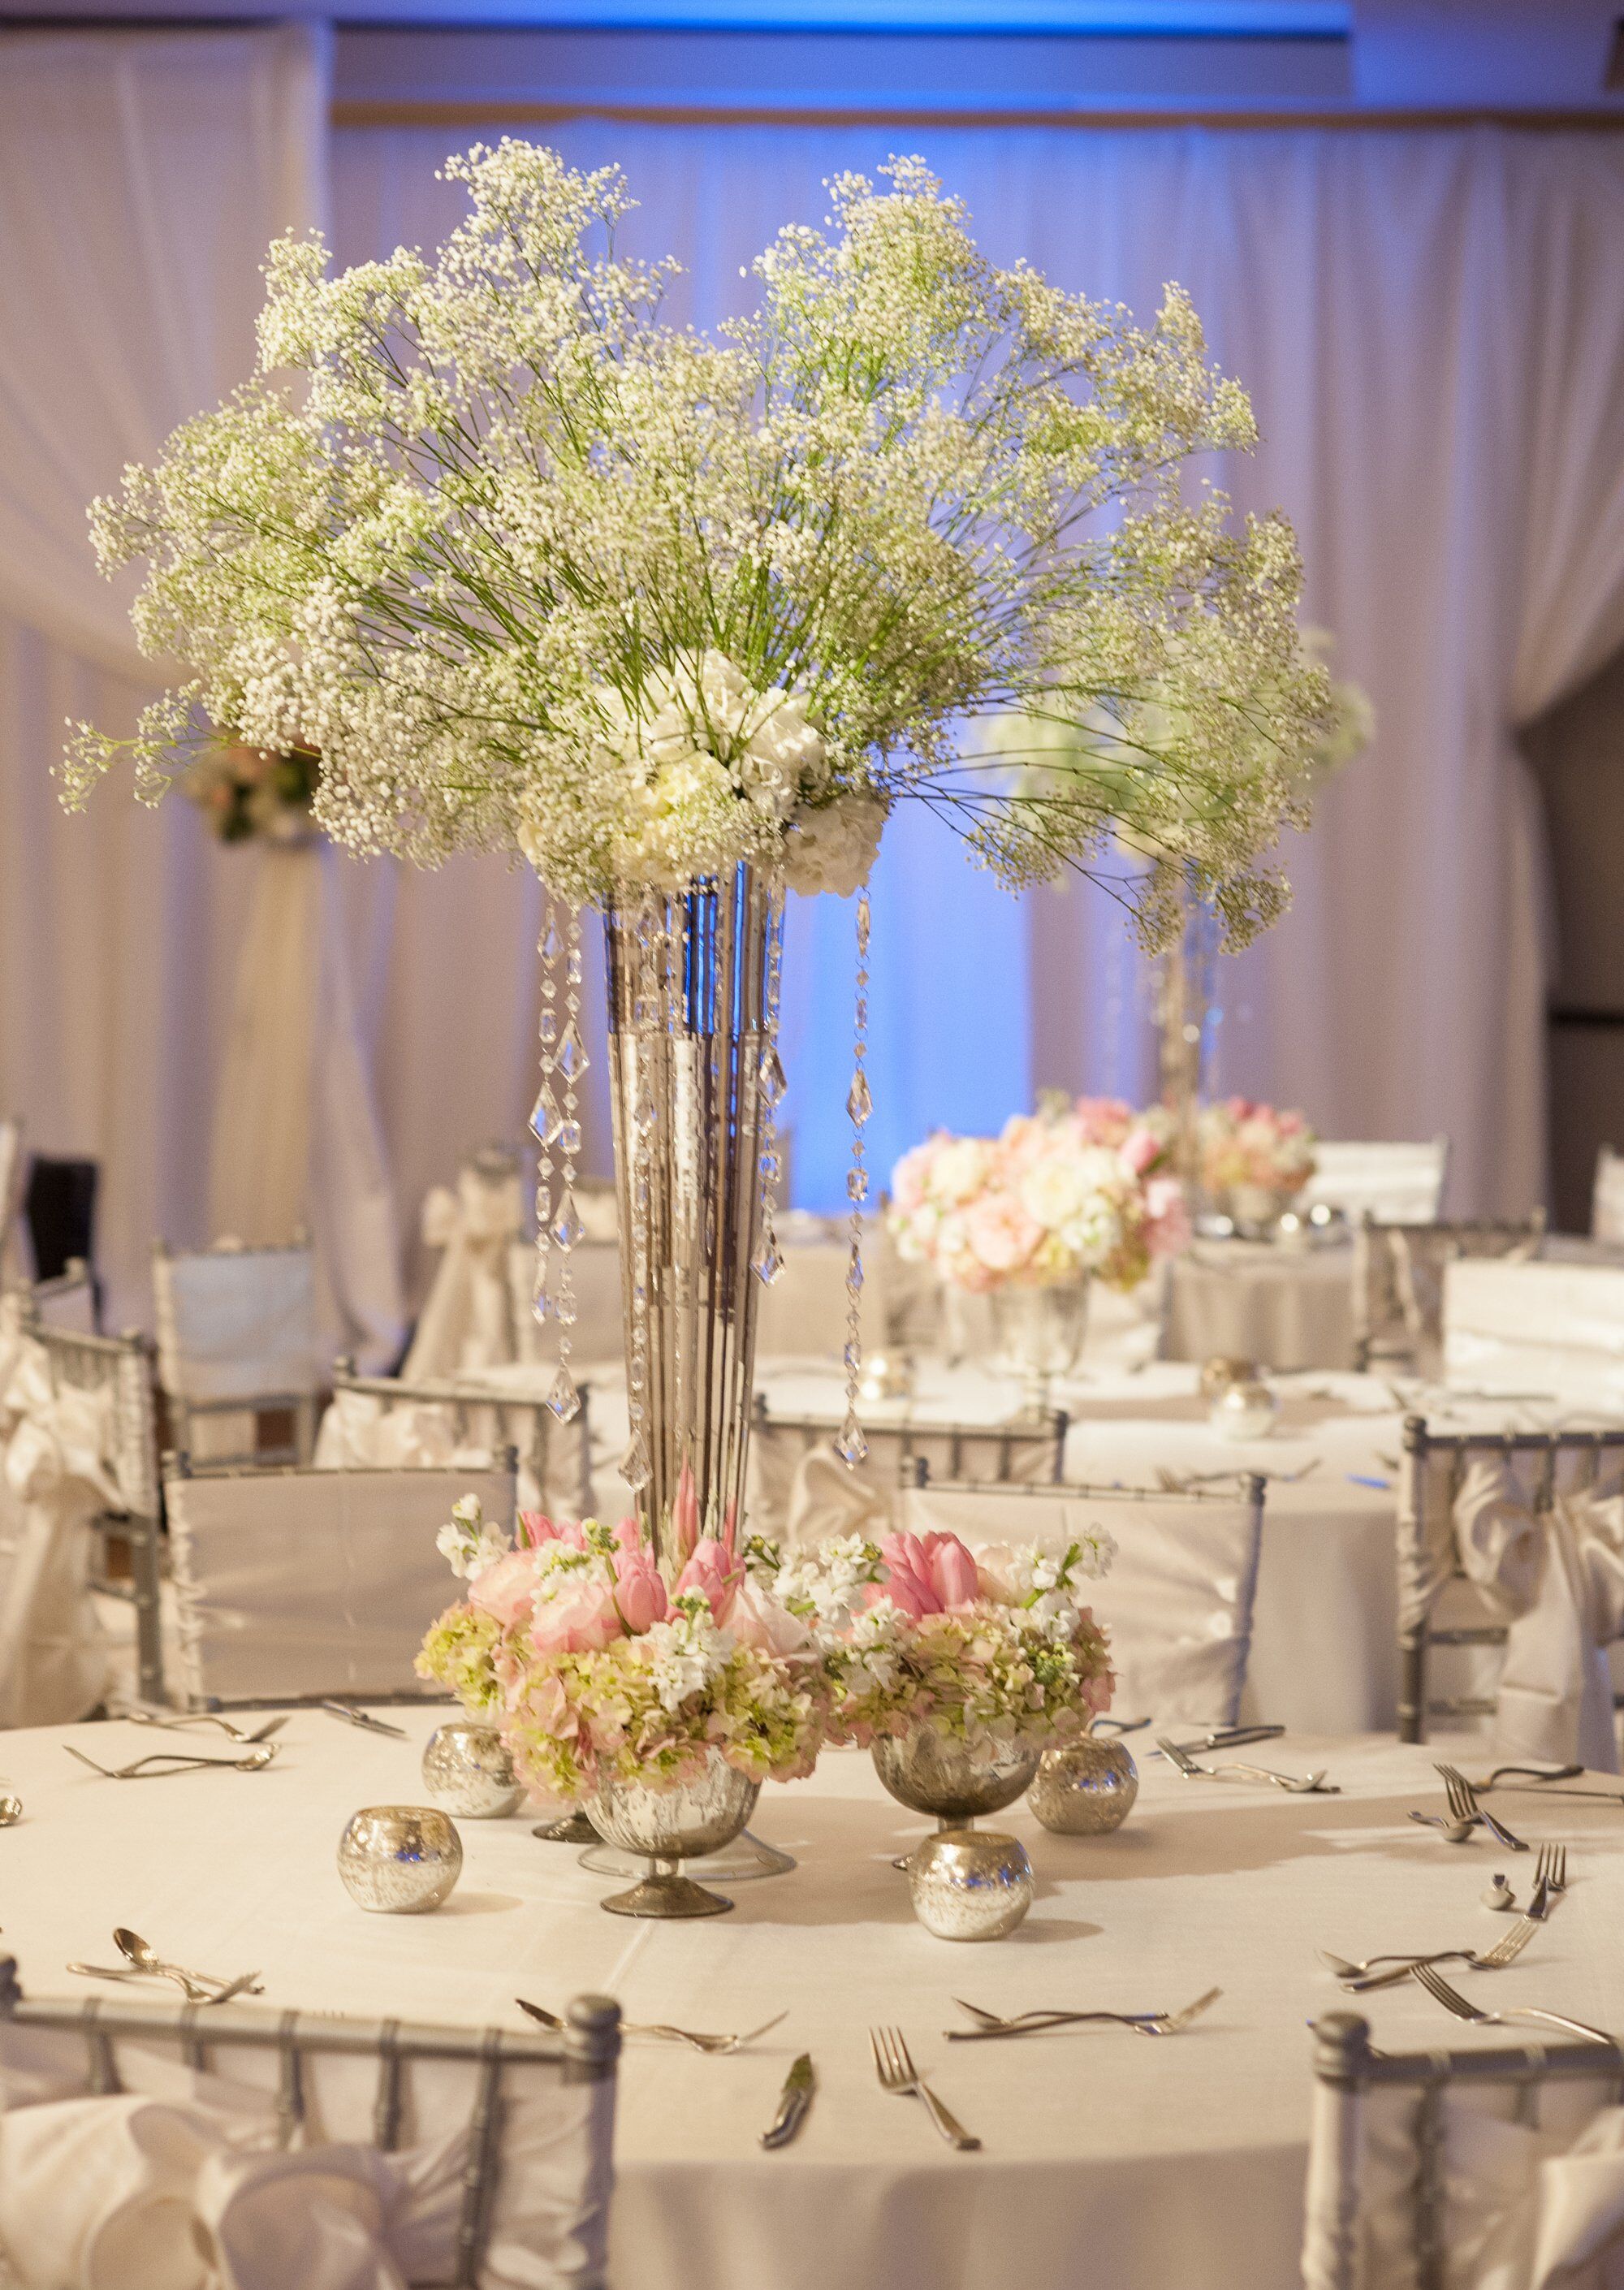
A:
[802, 1490]
[469, 1319]
[305, 1582]
[237, 1324]
[1607, 1201]
[430, 1429]
[1177, 1599]
[1400, 1183]
[184, 2179]
[1550, 1327]
[1398, 1282]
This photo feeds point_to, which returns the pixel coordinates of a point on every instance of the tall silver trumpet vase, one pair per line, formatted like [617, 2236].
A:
[694, 1080]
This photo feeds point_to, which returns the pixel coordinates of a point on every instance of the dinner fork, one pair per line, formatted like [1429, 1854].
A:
[1032, 2024]
[1550, 1875]
[897, 2073]
[204, 1718]
[175, 1762]
[1358, 1977]
[1312, 1784]
[715, 2046]
[1463, 1804]
[1453, 2001]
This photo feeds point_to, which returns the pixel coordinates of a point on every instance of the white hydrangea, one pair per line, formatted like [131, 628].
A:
[469, 1541]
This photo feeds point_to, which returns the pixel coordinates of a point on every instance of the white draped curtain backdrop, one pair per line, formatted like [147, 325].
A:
[1431, 324]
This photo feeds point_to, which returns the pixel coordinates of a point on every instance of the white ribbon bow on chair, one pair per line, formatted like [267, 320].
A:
[1557, 1576]
[829, 1499]
[57, 1475]
[468, 1321]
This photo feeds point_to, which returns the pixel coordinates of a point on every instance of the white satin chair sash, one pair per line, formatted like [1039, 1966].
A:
[1553, 1573]
[468, 1320]
[56, 1475]
[359, 1432]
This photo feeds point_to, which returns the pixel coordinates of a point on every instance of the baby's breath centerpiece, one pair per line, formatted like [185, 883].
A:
[680, 617]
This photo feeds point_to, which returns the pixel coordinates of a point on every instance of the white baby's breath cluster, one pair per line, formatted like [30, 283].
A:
[534, 569]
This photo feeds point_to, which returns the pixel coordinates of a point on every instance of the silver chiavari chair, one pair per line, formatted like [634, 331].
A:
[1401, 1182]
[1030, 1450]
[121, 1368]
[1398, 1281]
[1380, 2207]
[551, 2094]
[296, 1584]
[1437, 1604]
[555, 1458]
[238, 1341]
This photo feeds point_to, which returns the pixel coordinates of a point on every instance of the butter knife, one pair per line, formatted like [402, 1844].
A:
[797, 2097]
[364, 1718]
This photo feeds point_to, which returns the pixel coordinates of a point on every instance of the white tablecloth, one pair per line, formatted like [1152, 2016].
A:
[1285, 1308]
[1108, 2161]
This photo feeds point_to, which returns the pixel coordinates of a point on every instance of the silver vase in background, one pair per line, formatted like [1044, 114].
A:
[400, 1859]
[1085, 1790]
[1039, 1333]
[969, 1884]
[665, 1826]
[467, 1770]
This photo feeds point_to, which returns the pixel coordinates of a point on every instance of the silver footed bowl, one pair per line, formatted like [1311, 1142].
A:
[930, 1772]
[1085, 1790]
[664, 1826]
[468, 1770]
[400, 1859]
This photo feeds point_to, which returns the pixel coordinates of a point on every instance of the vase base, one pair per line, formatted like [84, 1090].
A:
[740, 1863]
[666, 1897]
[569, 1828]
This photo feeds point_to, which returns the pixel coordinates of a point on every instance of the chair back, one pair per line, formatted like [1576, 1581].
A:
[504, 2142]
[381, 1419]
[1476, 1513]
[1416, 2157]
[300, 1584]
[238, 1338]
[68, 1303]
[1178, 1595]
[1607, 1199]
[1399, 1183]
[1398, 1282]
[1547, 1327]
[803, 1491]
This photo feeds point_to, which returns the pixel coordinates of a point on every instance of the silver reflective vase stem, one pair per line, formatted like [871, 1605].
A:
[695, 1078]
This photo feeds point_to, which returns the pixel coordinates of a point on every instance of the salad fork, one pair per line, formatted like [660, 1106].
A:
[1033, 2023]
[1294, 1784]
[176, 1761]
[1464, 1806]
[1453, 2001]
[714, 2047]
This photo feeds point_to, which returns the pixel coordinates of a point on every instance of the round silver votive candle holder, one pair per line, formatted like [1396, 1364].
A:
[467, 1770]
[1085, 1790]
[400, 1859]
[969, 1884]
[1245, 1411]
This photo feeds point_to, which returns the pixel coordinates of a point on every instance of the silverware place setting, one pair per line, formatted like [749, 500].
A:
[143, 1962]
[1295, 1784]
[1466, 1813]
[365, 1719]
[1224, 1737]
[714, 2047]
[1451, 1999]
[1037, 2023]
[177, 1761]
[893, 2065]
[1551, 1883]
[1533, 1781]
[168, 1724]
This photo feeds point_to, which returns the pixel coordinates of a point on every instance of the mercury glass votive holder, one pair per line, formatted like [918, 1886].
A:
[467, 1770]
[969, 1884]
[400, 1859]
[1085, 1790]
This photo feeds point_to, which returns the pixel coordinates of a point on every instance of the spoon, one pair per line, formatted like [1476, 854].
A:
[145, 1957]
[1455, 1832]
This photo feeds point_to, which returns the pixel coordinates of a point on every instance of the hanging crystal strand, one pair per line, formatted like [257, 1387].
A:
[565, 1228]
[544, 1116]
[636, 1466]
[851, 1447]
[768, 1264]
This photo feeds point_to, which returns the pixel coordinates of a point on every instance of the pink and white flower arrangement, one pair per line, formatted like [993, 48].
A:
[1245, 1145]
[597, 1662]
[990, 1646]
[1073, 1189]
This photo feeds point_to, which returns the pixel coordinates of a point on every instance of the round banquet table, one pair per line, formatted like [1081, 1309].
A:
[1106, 2159]
[1284, 1306]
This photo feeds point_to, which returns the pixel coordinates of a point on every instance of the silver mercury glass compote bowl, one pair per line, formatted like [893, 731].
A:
[665, 1826]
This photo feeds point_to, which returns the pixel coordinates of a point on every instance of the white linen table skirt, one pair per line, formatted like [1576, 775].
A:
[1106, 2160]
[1285, 1308]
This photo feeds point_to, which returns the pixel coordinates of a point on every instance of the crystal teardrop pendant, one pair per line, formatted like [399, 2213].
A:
[768, 1264]
[569, 1057]
[859, 1104]
[851, 1447]
[563, 1398]
[774, 1083]
[540, 1299]
[636, 1468]
[567, 1228]
[544, 1118]
[552, 944]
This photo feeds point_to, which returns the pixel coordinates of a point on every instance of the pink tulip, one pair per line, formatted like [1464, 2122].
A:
[711, 1571]
[928, 1573]
[686, 1515]
[582, 1618]
[536, 1528]
[639, 1591]
[506, 1590]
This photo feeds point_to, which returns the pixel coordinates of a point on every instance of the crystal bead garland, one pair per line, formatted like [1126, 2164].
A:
[851, 1447]
[769, 1264]
[648, 1015]
[556, 1123]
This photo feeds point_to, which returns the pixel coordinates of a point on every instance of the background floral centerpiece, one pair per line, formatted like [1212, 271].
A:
[248, 794]
[1253, 1158]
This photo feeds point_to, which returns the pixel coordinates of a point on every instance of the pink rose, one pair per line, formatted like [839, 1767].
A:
[1140, 1151]
[759, 1621]
[506, 1590]
[1001, 1234]
[639, 1591]
[711, 1571]
[582, 1618]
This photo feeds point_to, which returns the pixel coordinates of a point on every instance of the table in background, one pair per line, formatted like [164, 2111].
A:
[1284, 1306]
[1109, 2159]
